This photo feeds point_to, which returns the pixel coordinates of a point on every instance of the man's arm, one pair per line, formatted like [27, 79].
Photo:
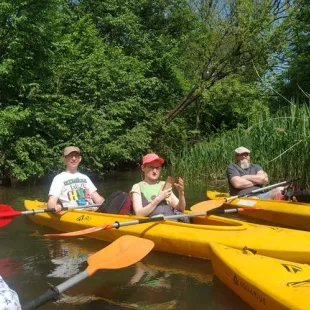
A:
[234, 178]
[54, 194]
[246, 181]
[260, 178]
[52, 203]
[97, 199]
[240, 182]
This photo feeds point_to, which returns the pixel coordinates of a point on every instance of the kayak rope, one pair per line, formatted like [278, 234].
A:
[298, 282]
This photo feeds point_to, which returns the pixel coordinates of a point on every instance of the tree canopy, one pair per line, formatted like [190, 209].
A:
[121, 78]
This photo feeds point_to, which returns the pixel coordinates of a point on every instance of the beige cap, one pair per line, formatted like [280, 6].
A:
[241, 150]
[70, 149]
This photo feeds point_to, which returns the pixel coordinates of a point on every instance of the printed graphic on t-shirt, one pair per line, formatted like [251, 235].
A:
[77, 191]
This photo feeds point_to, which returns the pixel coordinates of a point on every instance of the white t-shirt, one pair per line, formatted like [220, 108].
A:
[72, 188]
[8, 298]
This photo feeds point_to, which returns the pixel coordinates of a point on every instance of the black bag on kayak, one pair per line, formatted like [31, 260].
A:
[117, 203]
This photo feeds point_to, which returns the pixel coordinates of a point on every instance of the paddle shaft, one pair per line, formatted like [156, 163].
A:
[53, 293]
[32, 212]
[14, 213]
[259, 190]
[177, 216]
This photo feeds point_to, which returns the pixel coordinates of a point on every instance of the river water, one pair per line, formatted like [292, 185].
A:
[30, 263]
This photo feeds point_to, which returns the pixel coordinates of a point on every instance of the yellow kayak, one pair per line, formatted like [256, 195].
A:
[262, 282]
[182, 238]
[286, 213]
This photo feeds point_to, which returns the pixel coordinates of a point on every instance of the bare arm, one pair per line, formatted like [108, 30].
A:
[52, 203]
[247, 181]
[97, 199]
[145, 211]
[179, 204]
[260, 178]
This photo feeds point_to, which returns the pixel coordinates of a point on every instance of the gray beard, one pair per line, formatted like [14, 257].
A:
[244, 165]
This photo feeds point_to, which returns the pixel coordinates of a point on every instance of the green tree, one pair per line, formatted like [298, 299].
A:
[26, 35]
[230, 38]
[294, 81]
[106, 75]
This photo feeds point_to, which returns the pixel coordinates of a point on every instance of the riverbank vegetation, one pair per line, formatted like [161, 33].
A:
[188, 79]
[279, 142]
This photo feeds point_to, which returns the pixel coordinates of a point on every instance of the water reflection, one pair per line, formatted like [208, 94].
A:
[31, 263]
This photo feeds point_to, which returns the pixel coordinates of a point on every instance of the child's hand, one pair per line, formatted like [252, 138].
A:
[180, 186]
[164, 194]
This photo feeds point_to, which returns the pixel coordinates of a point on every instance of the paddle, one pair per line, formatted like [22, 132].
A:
[203, 206]
[143, 221]
[260, 190]
[123, 252]
[7, 213]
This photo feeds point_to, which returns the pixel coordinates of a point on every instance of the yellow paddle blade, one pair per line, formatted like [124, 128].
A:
[206, 205]
[123, 252]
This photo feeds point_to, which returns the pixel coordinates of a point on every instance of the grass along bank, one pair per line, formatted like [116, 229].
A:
[278, 142]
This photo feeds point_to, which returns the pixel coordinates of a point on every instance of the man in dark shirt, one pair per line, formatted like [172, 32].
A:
[244, 177]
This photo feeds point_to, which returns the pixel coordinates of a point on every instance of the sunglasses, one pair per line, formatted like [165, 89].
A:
[244, 154]
[77, 156]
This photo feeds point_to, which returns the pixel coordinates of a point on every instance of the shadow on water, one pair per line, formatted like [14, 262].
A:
[32, 262]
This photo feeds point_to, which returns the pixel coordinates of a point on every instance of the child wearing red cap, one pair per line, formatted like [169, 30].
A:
[149, 198]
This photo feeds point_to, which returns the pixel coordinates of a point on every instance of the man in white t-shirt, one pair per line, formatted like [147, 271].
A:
[71, 187]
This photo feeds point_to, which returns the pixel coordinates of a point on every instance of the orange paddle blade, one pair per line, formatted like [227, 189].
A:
[123, 252]
[81, 232]
[207, 205]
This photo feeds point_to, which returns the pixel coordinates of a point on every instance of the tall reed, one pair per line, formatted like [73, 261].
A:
[279, 143]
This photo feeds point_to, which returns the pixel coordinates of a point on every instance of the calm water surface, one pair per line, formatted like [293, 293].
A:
[30, 263]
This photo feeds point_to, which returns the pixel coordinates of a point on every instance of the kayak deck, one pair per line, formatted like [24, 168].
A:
[262, 282]
[182, 238]
[285, 213]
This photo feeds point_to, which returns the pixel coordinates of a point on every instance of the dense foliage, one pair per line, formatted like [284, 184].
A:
[280, 143]
[293, 82]
[120, 78]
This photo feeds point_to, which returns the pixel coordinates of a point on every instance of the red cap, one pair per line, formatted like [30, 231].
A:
[148, 158]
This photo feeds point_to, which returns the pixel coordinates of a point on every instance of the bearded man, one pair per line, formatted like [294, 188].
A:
[244, 177]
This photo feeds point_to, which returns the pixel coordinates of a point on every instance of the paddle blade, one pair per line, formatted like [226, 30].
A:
[5, 221]
[6, 214]
[123, 252]
[206, 205]
[81, 232]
